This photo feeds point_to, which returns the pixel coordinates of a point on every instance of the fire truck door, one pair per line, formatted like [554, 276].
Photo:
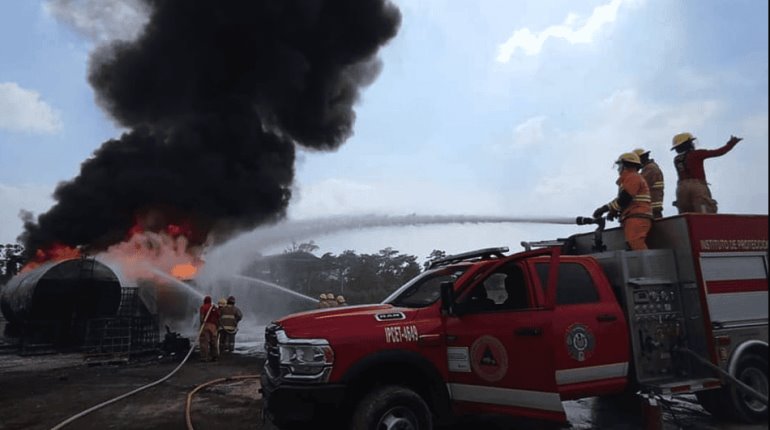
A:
[499, 350]
[589, 330]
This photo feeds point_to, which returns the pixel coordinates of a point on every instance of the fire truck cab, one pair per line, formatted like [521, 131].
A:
[484, 332]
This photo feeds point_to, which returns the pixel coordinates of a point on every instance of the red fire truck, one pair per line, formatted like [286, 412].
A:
[485, 332]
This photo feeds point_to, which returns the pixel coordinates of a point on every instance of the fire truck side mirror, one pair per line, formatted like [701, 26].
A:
[447, 297]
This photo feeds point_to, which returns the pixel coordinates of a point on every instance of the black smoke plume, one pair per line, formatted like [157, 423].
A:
[215, 94]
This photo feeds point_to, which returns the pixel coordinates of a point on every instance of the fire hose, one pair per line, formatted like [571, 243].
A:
[740, 385]
[130, 393]
[190, 395]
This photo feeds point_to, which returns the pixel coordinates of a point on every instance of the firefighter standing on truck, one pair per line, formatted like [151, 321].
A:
[632, 204]
[692, 190]
[654, 176]
[229, 318]
[209, 319]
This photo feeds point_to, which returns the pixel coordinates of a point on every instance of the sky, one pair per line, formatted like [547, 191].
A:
[489, 107]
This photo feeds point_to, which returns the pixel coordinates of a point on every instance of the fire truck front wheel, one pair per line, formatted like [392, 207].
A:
[392, 407]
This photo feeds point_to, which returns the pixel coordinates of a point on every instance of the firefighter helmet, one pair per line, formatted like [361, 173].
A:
[681, 138]
[231, 300]
[640, 152]
[223, 302]
[340, 299]
[322, 296]
[207, 299]
[629, 157]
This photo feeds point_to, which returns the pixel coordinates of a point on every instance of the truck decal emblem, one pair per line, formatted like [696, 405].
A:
[390, 316]
[397, 334]
[580, 342]
[489, 359]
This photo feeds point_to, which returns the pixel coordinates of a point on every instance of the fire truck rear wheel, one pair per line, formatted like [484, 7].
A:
[752, 371]
[392, 407]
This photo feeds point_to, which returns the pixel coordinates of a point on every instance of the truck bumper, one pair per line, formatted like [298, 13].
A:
[284, 403]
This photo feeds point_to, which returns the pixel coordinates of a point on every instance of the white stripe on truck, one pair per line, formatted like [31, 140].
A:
[729, 307]
[542, 400]
[592, 373]
[729, 266]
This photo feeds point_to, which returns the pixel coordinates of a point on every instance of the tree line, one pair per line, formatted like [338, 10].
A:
[361, 278]
[11, 260]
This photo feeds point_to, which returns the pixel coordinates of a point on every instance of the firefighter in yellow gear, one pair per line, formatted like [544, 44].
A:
[322, 301]
[330, 300]
[654, 176]
[229, 317]
[632, 204]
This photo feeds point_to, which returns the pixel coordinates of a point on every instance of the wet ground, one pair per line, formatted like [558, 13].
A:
[39, 392]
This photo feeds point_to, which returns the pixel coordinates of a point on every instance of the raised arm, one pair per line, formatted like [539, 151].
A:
[709, 153]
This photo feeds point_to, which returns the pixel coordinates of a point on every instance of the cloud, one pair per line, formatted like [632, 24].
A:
[101, 20]
[529, 132]
[531, 43]
[581, 172]
[23, 110]
[16, 198]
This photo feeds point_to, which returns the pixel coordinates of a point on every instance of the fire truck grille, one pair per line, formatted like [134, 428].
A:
[271, 348]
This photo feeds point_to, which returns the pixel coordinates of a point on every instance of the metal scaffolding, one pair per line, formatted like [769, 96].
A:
[132, 331]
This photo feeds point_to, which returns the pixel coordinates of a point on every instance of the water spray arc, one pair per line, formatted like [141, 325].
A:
[277, 287]
[176, 282]
[307, 229]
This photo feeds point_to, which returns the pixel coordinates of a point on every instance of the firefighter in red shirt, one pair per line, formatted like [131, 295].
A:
[692, 191]
[632, 204]
[208, 339]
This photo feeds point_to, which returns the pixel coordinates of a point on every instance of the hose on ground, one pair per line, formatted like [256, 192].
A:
[190, 395]
[740, 385]
[142, 388]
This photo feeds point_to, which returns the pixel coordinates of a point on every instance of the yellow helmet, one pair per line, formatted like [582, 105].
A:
[640, 152]
[629, 157]
[340, 299]
[681, 138]
[322, 296]
[223, 302]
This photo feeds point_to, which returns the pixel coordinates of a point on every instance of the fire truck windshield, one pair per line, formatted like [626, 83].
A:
[424, 289]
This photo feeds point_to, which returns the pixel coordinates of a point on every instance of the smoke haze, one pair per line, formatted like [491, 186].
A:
[215, 95]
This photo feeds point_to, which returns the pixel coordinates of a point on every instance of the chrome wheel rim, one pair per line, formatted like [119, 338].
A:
[757, 380]
[398, 418]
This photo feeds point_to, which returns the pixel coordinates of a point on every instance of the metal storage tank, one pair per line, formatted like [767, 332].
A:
[66, 293]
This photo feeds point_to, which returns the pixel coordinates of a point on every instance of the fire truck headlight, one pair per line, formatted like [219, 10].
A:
[306, 359]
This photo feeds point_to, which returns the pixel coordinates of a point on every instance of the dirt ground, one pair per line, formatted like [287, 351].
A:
[40, 392]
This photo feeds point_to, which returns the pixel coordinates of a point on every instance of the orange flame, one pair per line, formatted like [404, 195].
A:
[55, 252]
[165, 248]
[144, 249]
[184, 271]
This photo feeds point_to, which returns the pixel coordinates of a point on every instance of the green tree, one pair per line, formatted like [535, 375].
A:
[361, 278]
[11, 260]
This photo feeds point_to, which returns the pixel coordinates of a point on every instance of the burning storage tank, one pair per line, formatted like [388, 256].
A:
[55, 300]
